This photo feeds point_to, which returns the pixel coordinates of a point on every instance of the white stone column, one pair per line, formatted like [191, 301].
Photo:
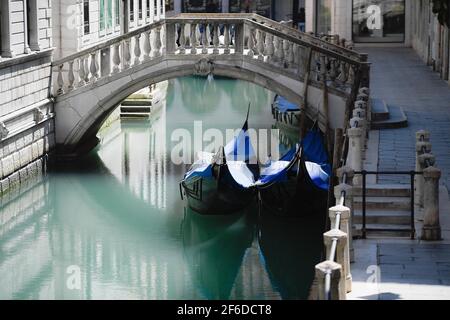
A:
[7, 51]
[431, 230]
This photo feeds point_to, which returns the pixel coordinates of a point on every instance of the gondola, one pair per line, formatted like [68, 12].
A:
[286, 113]
[301, 176]
[219, 184]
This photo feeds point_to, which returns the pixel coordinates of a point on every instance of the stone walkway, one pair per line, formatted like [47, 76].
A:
[396, 269]
[401, 78]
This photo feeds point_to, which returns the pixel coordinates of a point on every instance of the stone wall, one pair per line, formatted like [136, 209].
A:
[26, 109]
[430, 39]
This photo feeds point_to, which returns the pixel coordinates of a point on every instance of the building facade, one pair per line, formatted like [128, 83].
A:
[26, 109]
[79, 24]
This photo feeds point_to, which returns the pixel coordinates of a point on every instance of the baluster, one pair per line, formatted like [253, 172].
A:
[81, 72]
[182, 39]
[290, 53]
[260, 45]
[250, 43]
[116, 58]
[94, 66]
[343, 72]
[205, 39]
[60, 80]
[226, 39]
[86, 69]
[280, 51]
[137, 49]
[158, 43]
[71, 76]
[147, 45]
[193, 38]
[126, 54]
[351, 74]
[323, 68]
[269, 50]
[333, 73]
[216, 41]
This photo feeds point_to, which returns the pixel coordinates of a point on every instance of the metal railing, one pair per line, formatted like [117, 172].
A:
[364, 175]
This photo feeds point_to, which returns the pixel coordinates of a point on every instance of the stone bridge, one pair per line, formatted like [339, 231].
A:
[321, 77]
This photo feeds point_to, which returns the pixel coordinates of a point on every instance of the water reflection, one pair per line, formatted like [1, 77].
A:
[117, 216]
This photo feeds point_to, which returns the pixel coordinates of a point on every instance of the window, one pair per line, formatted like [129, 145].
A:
[86, 16]
[117, 12]
[131, 10]
[170, 5]
[202, 6]
[109, 15]
[102, 15]
[379, 21]
[148, 8]
[323, 22]
[261, 7]
[140, 9]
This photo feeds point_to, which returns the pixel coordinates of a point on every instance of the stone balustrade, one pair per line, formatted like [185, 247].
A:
[245, 36]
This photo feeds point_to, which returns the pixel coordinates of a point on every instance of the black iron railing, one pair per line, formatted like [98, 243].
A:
[364, 174]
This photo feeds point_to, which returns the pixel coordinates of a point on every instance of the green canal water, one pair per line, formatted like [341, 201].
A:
[113, 226]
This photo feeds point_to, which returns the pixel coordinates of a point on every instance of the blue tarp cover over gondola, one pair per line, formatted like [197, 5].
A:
[283, 105]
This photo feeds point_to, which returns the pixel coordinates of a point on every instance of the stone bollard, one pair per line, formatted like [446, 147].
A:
[425, 160]
[431, 230]
[418, 189]
[355, 159]
[344, 227]
[339, 255]
[362, 97]
[337, 288]
[360, 121]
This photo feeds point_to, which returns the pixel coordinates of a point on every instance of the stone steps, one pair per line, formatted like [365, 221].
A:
[384, 190]
[380, 111]
[392, 217]
[384, 230]
[385, 116]
[383, 203]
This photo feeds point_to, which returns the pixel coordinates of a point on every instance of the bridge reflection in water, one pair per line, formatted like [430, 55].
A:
[117, 216]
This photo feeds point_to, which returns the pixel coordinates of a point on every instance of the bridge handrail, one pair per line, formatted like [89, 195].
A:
[110, 42]
[307, 37]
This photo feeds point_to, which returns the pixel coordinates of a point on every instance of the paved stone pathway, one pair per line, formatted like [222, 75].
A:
[401, 78]
[424, 271]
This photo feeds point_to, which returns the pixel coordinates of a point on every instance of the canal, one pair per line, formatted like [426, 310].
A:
[113, 226]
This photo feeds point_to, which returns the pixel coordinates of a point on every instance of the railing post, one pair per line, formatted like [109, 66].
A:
[239, 38]
[170, 37]
[431, 226]
[341, 242]
[333, 269]
[359, 120]
[355, 159]
[345, 216]
[424, 160]
[422, 144]
[348, 189]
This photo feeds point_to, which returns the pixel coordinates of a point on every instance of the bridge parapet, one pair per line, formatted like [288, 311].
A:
[237, 35]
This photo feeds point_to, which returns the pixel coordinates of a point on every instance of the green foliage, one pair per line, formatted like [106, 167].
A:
[442, 9]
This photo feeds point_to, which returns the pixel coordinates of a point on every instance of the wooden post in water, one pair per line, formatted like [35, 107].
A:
[305, 93]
